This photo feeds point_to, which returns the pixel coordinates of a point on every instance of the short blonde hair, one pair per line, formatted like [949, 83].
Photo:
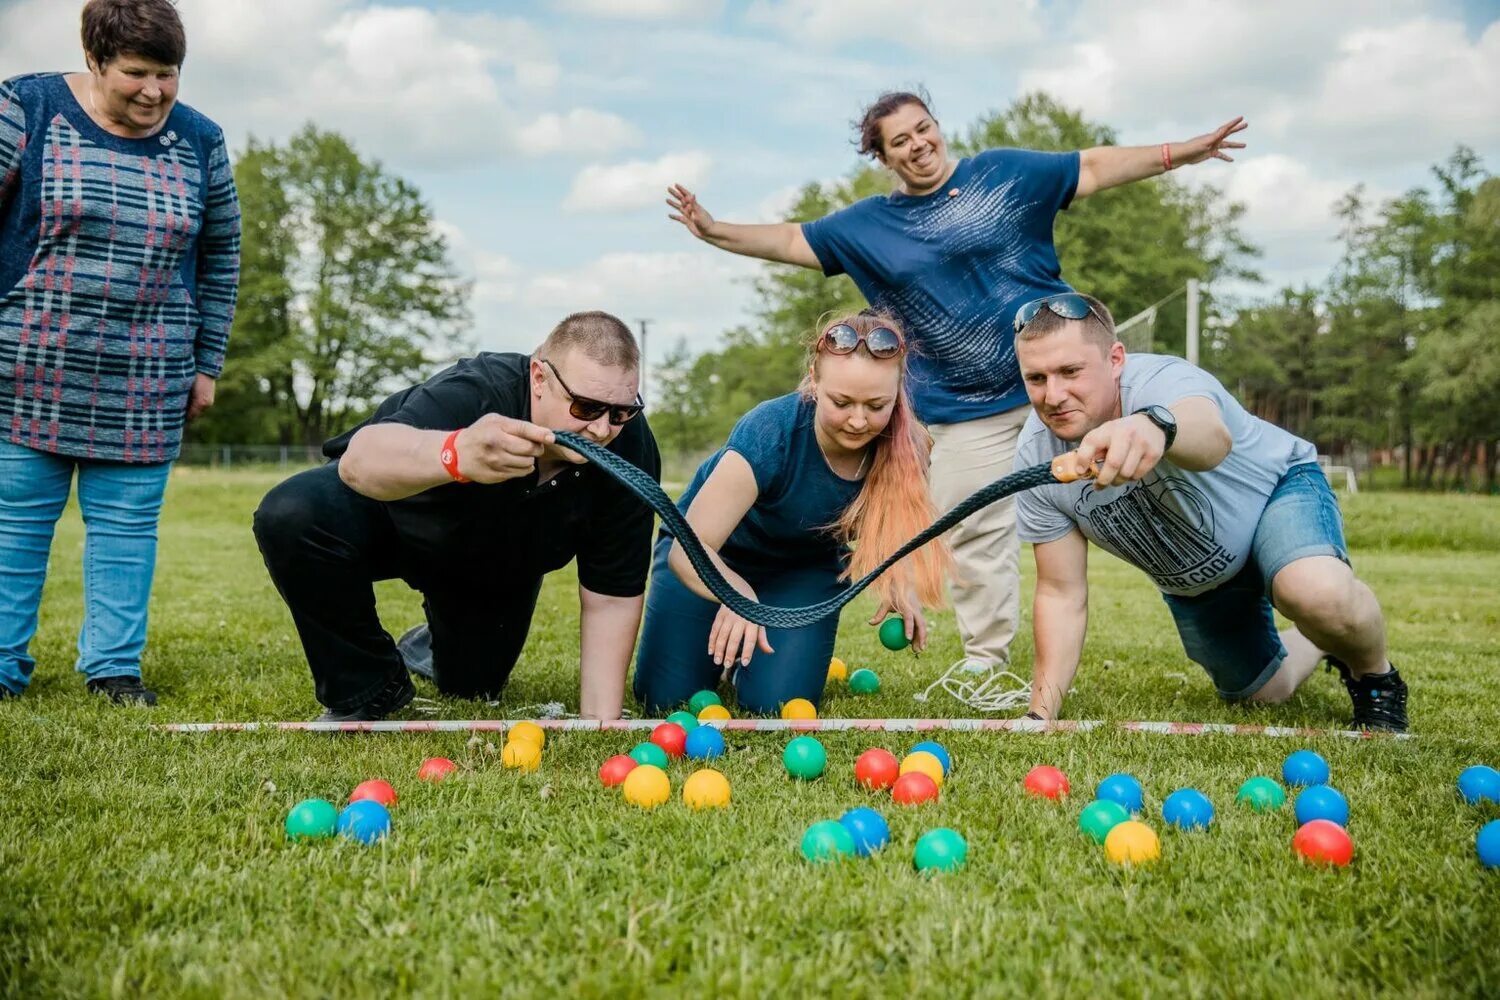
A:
[1098, 326]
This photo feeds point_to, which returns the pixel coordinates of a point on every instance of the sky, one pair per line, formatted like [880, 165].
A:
[544, 134]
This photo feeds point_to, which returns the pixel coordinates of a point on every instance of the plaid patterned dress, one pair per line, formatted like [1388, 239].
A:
[119, 263]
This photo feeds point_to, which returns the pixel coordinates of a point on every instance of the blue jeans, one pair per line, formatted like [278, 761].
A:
[120, 505]
[1230, 631]
[672, 663]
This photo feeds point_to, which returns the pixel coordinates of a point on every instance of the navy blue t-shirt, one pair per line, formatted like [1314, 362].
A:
[954, 269]
[799, 498]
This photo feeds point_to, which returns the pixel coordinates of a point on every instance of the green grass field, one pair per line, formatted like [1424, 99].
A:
[138, 863]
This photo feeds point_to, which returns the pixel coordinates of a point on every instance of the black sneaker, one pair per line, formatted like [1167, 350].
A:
[1379, 699]
[123, 690]
[392, 698]
[415, 647]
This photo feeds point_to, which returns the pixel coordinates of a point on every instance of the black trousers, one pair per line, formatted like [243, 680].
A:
[326, 546]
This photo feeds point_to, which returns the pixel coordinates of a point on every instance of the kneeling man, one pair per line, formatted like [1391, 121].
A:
[457, 486]
[1228, 514]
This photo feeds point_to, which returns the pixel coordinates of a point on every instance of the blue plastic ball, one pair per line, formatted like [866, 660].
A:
[1305, 768]
[1188, 809]
[936, 749]
[1124, 789]
[1322, 802]
[1479, 784]
[868, 828]
[1487, 843]
[705, 743]
[365, 821]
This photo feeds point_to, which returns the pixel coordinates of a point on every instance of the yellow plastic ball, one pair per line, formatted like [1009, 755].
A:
[799, 708]
[706, 789]
[647, 786]
[713, 713]
[523, 755]
[1132, 843]
[924, 763]
[837, 670]
[528, 731]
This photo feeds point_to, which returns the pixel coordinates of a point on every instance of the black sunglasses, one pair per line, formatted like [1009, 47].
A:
[1069, 305]
[589, 410]
[881, 342]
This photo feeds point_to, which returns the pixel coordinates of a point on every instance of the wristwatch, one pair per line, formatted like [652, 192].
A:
[1161, 417]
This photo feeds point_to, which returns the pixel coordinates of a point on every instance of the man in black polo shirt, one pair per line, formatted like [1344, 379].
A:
[457, 487]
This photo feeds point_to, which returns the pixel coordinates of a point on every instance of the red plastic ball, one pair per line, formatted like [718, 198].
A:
[377, 790]
[670, 737]
[877, 769]
[914, 788]
[1047, 782]
[1324, 841]
[613, 771]
[435, 769]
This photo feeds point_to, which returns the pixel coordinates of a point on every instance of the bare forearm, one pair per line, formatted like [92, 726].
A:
[778, 241]
[1059, 624]
[1203, 439]
[678, 561]
[393, 461]
[607, 631]
[1105, 167]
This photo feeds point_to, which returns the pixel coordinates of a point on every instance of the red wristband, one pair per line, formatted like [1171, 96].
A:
[449, 457]
[1166, 156]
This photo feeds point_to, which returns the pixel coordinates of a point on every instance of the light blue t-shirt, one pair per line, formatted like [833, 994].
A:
[800, 499]
[954, 268]
[1191, 531]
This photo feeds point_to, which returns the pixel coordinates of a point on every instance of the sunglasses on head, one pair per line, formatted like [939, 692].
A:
[881, 342]
[1069, 305]
[589, 410]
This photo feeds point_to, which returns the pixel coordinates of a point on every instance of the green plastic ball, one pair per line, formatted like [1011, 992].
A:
[1261, 794]
[864, 681]
[702, 700]
[311, 819]
[1101, 816]
[893, 634]
[649, 753]
[940, 850]
[827, 840]
[805, 758]
[687, 720]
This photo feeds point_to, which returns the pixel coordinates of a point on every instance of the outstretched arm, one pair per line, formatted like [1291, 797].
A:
[1110, 166]
[779, 241]
[1060, 619]
[607, 630]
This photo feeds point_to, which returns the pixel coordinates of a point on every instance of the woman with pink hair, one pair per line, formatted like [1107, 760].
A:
[842, 460]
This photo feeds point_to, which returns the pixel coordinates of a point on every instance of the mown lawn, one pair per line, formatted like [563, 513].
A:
[138, 863]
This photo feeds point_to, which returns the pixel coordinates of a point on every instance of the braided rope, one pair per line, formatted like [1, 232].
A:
[642, 485]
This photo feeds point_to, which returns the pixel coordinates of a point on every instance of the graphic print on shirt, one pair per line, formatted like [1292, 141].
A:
[1162, 524]
[978, 353]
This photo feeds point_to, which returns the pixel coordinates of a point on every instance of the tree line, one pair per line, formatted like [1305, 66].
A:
[348, 291]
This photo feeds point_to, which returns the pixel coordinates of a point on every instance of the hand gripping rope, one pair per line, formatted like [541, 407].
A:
[643, 486]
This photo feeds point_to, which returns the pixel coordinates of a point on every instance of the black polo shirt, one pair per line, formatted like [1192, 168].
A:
[515, 531]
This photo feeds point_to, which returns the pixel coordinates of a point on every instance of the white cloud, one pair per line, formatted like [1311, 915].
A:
[645, 10]
[954, 26]
[623, 187]
[581, 130]
[408, 85]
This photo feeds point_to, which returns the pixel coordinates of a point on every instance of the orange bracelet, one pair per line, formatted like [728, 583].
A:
[449, 457]
[1166, 156]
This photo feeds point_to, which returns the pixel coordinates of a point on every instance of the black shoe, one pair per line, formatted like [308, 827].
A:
[123, 690]
[392, 698]
[415, 647]
[1379, 699]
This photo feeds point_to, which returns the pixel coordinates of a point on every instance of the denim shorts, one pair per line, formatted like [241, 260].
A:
[1230, 631]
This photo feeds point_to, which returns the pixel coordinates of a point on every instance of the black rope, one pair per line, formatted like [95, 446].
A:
[642, 485]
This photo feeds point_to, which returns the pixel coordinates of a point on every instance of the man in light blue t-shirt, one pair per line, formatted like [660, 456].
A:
[1228, 514]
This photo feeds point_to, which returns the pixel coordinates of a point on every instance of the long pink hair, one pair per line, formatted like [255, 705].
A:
[895, 503]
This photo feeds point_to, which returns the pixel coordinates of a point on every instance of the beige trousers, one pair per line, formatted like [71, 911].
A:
[986, 586]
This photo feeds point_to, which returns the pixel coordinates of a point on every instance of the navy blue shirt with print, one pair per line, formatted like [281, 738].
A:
[799, 498]
[953, 267]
